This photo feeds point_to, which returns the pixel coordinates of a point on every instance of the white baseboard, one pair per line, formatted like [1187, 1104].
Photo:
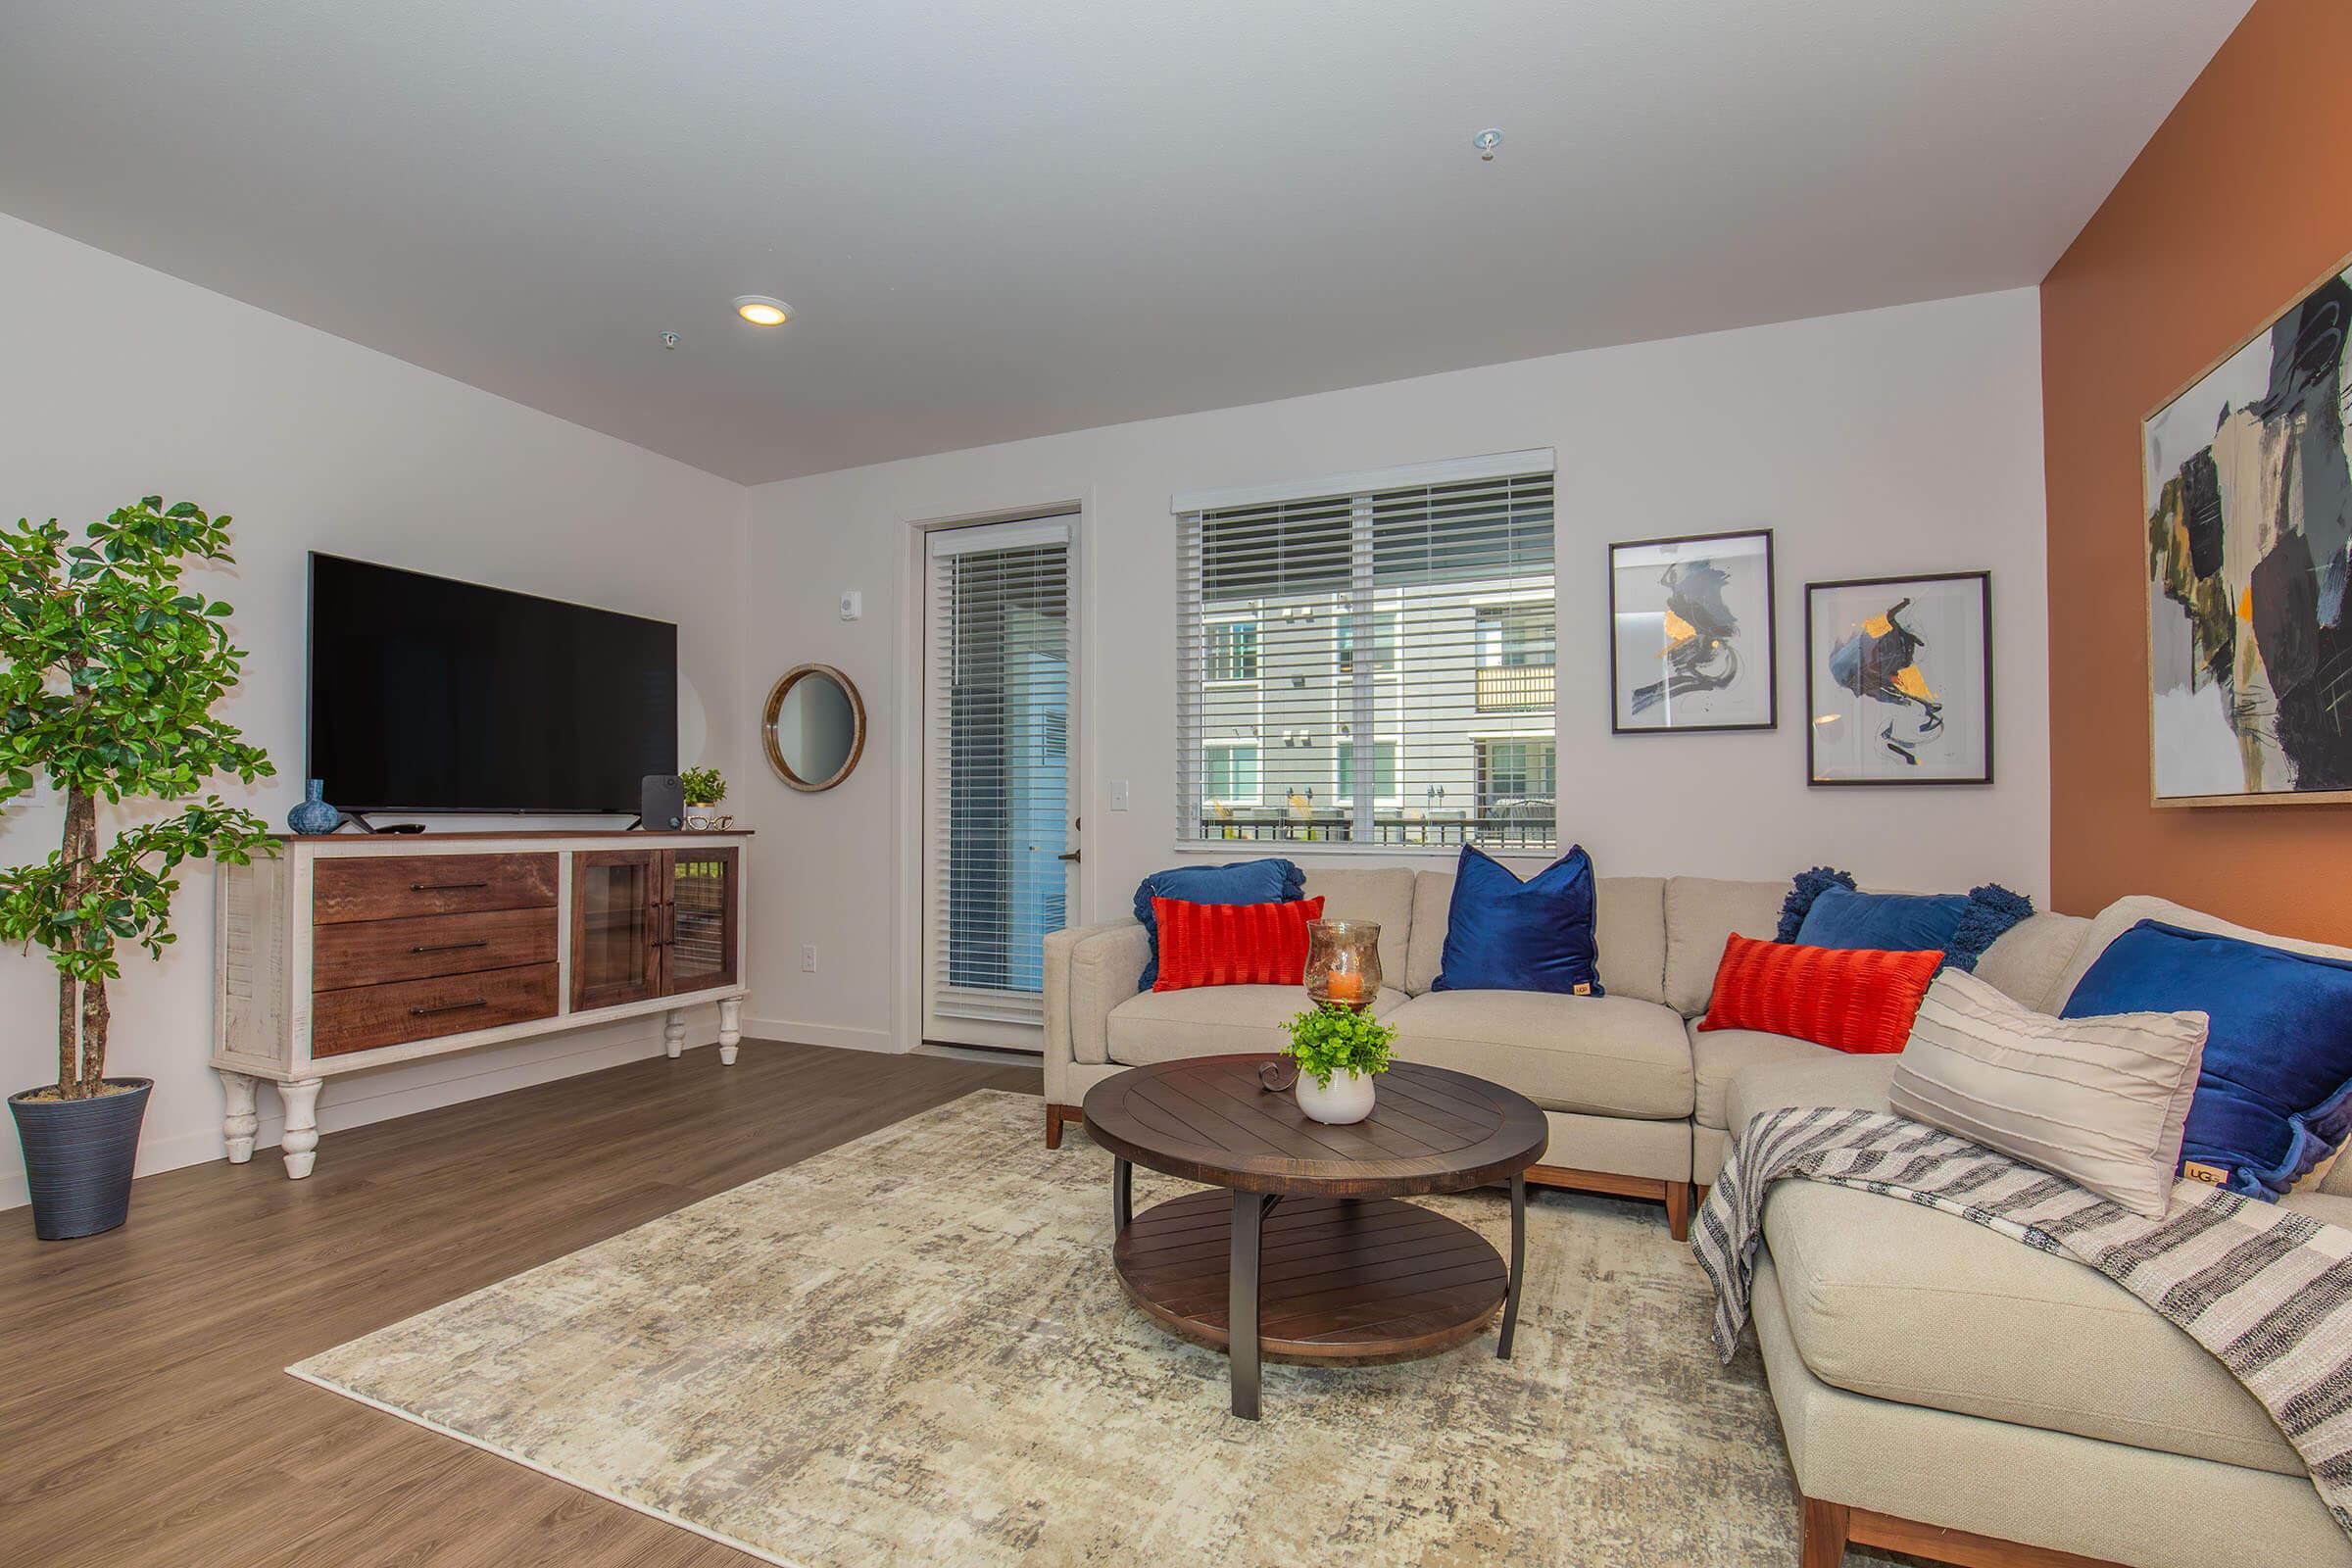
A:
[353, 1101]
[845, 1036]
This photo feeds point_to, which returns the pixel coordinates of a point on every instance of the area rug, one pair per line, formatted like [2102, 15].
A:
[912, 1349]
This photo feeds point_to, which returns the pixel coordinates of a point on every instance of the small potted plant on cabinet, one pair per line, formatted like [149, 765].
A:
[1339, 1050]
[108, 671]
[703, 786]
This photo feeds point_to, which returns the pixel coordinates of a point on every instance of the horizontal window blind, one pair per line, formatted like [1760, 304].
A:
[997, 699]
[1373, 667]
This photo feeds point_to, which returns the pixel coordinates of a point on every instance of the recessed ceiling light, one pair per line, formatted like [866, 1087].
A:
[762, 311]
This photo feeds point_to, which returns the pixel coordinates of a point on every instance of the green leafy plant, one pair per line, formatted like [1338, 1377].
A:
[110, 671]
[1330, 1038]
[704, 786]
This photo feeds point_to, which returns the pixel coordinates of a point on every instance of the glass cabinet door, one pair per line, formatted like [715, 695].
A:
[617, 897]
[700, 934]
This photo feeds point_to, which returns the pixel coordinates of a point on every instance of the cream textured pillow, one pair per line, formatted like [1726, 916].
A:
[2100, 1102]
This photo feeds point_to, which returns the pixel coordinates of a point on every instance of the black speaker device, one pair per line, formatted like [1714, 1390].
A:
[661, 804]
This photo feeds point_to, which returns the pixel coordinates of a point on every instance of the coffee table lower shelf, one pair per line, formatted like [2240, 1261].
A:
[1353, 1281]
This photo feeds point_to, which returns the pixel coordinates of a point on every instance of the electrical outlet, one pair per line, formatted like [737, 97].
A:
[809, 958]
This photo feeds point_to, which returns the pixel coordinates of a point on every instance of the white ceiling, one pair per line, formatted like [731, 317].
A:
[1005, 218]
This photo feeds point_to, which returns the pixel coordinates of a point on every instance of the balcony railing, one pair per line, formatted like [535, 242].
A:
[1528, 824]
[1513, 688]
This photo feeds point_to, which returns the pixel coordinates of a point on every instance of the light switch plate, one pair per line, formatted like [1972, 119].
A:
[1118, 795]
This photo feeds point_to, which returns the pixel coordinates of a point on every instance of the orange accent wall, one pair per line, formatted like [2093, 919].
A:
[2239, 200]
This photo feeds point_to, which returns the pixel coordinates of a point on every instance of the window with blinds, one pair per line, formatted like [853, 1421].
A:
[996, 685]
[1373, 666]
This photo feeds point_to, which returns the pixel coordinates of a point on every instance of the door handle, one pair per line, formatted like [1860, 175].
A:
[1068, 854]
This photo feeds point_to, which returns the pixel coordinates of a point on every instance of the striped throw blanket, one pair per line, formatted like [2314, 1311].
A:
[2268, 1291]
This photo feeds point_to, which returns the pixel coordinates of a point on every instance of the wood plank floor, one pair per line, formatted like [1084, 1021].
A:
[145, 1414]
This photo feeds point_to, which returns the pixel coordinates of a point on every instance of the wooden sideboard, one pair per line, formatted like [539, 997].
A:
[349, 952]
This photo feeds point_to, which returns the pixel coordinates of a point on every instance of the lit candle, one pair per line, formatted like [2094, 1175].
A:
[1343, 985]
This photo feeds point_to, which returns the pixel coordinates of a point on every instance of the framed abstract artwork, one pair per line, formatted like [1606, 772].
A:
[1692, 641]
[1899, 680]
[2247, 476]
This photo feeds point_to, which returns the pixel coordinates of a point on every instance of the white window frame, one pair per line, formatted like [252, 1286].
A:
[1358, 707]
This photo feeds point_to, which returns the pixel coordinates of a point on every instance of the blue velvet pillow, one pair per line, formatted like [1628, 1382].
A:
[2275, 1090]
[1242, 882]
[1502, 933]
[1822, 910]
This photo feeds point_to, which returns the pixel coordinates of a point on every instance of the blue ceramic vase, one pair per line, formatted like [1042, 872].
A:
[314, 815]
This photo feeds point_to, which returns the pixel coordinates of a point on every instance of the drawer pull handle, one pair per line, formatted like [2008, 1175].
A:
[444, 887]
[450, 947]
[454, 1007]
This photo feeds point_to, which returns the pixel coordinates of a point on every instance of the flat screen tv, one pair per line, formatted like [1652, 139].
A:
[432, 695]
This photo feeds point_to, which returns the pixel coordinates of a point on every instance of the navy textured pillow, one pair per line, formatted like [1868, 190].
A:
[1894, 922]
[1242, 882]
[1502, 933]
[2274, 1089]
[1824, 909]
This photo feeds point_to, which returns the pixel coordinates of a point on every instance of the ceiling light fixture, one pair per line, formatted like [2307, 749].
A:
[1485, 142]
[762, 311]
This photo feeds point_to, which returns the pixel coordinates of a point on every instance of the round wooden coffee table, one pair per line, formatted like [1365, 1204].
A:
[1342, 1271]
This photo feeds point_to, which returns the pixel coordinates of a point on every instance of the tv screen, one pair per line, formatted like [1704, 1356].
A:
[428, 694]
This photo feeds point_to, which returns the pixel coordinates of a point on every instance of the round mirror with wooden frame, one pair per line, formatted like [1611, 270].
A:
[814, 727]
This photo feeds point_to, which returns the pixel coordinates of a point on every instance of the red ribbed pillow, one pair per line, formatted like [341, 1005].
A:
[1848, 999]
[1232, 944]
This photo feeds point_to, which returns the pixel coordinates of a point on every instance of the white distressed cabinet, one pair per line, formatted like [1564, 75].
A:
[346, 952]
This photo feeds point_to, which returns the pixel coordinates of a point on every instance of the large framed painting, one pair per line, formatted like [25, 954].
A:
[1899, 680]
[1691, 640]
[2249, 507]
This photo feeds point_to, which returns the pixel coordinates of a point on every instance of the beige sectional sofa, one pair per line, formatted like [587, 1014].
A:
[1635, 1094]
[1944, 1390]
[1948, 1392]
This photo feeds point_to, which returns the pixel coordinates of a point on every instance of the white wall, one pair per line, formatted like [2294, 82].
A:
[1883, 442]
[117, 381]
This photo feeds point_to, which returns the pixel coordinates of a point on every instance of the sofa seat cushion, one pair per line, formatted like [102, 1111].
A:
[1825, 1078]
[1607, 1056]
[1897, 1301]
[1214, 1021]
[1719, 1055]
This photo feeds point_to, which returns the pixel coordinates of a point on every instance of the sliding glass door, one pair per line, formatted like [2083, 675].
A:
[1000, 845]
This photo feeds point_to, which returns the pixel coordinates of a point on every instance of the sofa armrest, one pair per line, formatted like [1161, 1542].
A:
[1090, 969]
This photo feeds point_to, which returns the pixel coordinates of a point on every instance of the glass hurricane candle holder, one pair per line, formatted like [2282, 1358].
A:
[1343, 962]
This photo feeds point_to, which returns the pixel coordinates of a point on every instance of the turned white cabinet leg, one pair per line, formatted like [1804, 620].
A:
[239, 1123]
[300, 1144]
[730, 1029]
[673, 1032]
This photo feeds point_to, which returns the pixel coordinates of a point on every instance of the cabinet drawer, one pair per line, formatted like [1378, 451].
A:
[395, 887]
[372, 952]
[364, 1017]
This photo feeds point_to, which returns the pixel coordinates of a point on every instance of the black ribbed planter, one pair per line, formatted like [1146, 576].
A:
[78, 1156]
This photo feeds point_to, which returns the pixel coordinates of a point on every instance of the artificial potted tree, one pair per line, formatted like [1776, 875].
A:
[108, 671]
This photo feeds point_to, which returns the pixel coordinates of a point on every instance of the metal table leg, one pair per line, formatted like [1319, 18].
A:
[1241, 1311]
[1510, 1299]
[1122, 1194]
